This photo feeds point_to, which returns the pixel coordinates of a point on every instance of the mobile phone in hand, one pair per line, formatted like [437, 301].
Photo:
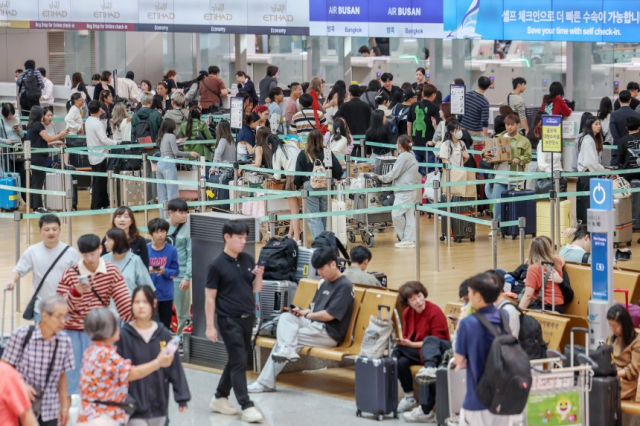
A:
[262, 263]
[172, 346]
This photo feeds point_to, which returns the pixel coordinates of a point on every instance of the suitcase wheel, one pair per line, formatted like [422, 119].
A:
[629, 244]
[380, 417]
[442, 237]
[472, 239]
[513, 237]
[395, 414]
[358, 413]
[352, 237]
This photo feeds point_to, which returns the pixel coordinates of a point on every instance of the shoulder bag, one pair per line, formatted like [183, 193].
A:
[29, 311]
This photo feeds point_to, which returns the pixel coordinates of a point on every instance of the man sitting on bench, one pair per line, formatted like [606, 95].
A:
[579, 251]
[324, 325]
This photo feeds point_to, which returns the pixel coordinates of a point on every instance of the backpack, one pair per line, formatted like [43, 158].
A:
[397, 116]
[530, 335]
[504, 387]
[281, 257]
[328, 239]
[143, 133]
[33, 91]
[318, 182]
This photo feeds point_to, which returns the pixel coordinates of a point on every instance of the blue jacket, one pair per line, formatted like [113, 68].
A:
[250, 89]
[168, 258]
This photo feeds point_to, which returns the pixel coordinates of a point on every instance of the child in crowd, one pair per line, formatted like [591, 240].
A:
[180, 238]
[472, 348]
[163, 267]
[357, 272]
[425, 339]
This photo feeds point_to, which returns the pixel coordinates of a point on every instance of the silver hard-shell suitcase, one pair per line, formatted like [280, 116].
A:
[274, 297]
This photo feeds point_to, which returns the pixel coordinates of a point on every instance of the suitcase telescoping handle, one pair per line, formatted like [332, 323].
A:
[4, 310]
[388, 308]
[574, 330]
[546, 275]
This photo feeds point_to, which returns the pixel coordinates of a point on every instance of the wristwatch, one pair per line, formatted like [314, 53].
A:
[305, 315]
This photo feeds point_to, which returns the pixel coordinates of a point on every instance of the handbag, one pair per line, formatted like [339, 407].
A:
[544, 186]
[455, 175]
[29, 311]
[130, 405]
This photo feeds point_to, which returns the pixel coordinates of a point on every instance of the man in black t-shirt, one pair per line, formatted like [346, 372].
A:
[323, 325]
[421, 121]
[232, 280]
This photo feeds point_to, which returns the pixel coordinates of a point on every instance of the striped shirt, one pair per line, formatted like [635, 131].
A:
[517, 105]
[33, 364]
[107, 283]
[476, 112]
[304, 122]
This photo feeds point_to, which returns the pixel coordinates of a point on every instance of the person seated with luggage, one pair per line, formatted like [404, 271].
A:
[404, 173]
[323, 325]
[579, 251]
[520, 157]
[629, 148]
[540, 258]
[357, 272]
[626, 351]
[425, 338]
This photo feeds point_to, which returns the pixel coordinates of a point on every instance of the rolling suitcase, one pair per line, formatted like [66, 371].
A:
[3, 337]
[219, 193]
[459, 228]
[624, 222]
[339, 223]
[543, 219]
[8, 198]
[515, 210]
[131, 191]
[451, 387]
[304, 268]
[635, 205]
[275, 296]
[80, 161]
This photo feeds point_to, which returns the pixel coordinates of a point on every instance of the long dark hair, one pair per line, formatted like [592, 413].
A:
[315, 145]
[535, 131]
[194, 114]
[339, 88]
[588, 130]
[251, 118]
[451, 127]
[555, 89]
[167, 127]
[620, 315]
[35, 115]
[262, 136]
[606, 107]
[133, 229]
[277, 144]
[377, 130]
[76, 79]
[340, 129]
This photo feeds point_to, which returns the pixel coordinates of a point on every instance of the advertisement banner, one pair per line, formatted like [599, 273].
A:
[552, 133]
[554, 409]
[107, 15]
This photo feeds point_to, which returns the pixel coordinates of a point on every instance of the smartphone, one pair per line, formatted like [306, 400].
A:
[83, 279]
[292, 307]
[156, 267]
[172, 346]
[262, 263]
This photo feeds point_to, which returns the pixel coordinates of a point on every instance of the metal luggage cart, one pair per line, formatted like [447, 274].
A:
[279, 207]
[559, 395]
[365, 223]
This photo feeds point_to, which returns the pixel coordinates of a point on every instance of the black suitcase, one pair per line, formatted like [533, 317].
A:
[516, 210]
[220, 193]
[460, 229]
[635, 205]
[377, 386]
[605, 405]
[79, 161]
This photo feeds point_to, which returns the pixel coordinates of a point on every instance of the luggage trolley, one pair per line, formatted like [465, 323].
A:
[559, 395]
[365, 223]
[263, 208]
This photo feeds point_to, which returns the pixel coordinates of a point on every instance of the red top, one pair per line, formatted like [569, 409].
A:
[559, 107]
[315, 105]
[431, 322]
[534, 280]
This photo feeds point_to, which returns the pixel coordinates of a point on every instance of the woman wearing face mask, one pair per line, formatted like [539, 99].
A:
[453, 150]
[141, 341]
[124, 219]
[403, 173]
[425, 338]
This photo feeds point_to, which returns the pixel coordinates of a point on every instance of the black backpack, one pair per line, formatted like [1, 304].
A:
[281, 257]
[143, 130]
[530, 336]
[328, 239]
[33, 90]
[504, 387]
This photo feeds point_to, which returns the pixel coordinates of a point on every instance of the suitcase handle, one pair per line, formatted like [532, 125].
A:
[388, 308]
[572, 344]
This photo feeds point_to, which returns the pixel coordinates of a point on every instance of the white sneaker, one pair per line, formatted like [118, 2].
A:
[285, 354]
[426, 375]
[406, 244]
[222, 406]
[417, 416]
[256, 387]
[407, 403]
[252, 415]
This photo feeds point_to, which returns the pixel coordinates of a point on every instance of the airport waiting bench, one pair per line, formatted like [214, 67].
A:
[366, 302]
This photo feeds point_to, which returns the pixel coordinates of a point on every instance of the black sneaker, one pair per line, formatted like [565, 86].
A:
[41, 210]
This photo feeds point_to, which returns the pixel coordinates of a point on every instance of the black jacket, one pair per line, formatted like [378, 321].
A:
[357, 114]
[152, 392]
[304, 165]
[617, 125]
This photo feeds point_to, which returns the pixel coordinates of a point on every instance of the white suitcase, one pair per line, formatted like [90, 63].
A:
[54, 183]
[339, 223]
[131, 191]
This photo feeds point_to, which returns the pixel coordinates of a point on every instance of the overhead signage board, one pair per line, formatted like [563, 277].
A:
[278, 17]
[552, 133]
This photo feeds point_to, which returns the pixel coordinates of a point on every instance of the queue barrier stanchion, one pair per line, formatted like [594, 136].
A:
[233, 193]
[329, 187]
[202, 176]
[436, 216]
[557, 175]
[552, 218]
[272, 224]
[64, 188]
[69, 204]
[165, 209]
[144, 187]
[522, 223]
[447, 171]
[17, 218]
[416, 217]
[112, 189]
[347, 162]
[305, 207]
[27, 168]
[494, 243]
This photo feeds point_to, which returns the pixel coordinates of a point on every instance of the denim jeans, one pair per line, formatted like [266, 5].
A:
[315, 205]
[496, 193]
[166, 191]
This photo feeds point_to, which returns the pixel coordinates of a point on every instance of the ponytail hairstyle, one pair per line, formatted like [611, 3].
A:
[223, 131]
[242, 74]
[405, 142]
[251, 118]
[341, 129]
[194, 114]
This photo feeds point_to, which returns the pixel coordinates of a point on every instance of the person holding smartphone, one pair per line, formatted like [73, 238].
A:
[164, 267]
[141, 341]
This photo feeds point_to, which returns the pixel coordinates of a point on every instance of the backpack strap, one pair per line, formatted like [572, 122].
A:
[492, 328]
[585, 258]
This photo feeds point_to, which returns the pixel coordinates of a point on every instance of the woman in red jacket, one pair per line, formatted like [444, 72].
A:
[553, 103]
[425, 338]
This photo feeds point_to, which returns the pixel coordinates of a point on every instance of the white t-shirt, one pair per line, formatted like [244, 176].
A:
[146, 334]
[514, 317]
[38, 259]
[452, 152]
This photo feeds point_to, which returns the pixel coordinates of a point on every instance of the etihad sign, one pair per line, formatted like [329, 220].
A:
[54, 11]
[107, 11]
[161, 12]
[278, 14]
[217, 14]
[5, 9]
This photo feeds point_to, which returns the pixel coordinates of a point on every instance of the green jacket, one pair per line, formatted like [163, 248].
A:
[205, 150]
[152, 116]
[520, 148]
[183, 246]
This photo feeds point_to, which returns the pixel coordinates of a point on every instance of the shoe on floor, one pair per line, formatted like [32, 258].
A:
[41, 210]
[222, 406]
[417, 416]
[426, 375]
[285, 355]
[252, 415]
[406, 244]
[407, 403]
[256, 387]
